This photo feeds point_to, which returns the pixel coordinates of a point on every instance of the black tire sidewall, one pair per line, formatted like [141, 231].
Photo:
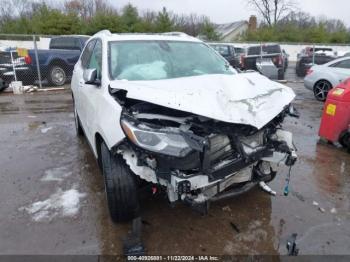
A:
[120, 186]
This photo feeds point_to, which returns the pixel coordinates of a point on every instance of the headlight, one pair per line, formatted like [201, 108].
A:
[168, 143]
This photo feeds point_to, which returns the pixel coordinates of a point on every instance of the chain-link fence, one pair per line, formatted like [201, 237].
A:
[48, 61]
[43, 61]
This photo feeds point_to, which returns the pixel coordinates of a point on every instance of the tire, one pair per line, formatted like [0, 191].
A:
[321, 89]
[3, 85]
[344, 139]
[57, 75]
[78, 128]
[281, 74]
[298, 71]
[120, 186]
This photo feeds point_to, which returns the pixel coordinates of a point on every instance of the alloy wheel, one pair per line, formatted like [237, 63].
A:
[321, 90]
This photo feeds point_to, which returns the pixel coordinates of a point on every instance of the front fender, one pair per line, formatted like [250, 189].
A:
[107, 122]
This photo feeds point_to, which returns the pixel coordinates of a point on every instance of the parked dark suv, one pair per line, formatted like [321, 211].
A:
[228, 51]
[306, 56]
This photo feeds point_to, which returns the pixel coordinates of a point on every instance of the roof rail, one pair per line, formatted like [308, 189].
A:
[175, 34]
[103, 32]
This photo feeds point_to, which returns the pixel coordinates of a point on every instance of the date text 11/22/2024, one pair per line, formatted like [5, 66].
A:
[173, 258]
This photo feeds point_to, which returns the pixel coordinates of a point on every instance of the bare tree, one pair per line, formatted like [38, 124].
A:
[83, 8]
[273, 11]
[6, 10]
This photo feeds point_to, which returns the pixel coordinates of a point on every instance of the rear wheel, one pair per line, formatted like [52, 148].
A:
[344, 139]
[321, 90]
[120, 186]
[57, 75]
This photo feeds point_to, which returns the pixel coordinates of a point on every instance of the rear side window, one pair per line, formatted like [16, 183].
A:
[69, 43]
[239, 50]
[342, 64]
[85, 57]
[254, 50]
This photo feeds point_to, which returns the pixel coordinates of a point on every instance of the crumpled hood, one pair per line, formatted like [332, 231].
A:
[247, 98]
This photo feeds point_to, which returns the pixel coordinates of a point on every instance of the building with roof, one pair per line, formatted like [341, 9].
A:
[233, 31]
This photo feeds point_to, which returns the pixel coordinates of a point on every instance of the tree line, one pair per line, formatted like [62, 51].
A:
[91, 16]
[282, 21]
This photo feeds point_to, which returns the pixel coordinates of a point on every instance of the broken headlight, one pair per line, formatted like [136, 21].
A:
[158, 141]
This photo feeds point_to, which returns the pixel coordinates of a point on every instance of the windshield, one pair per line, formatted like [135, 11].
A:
[155, 60]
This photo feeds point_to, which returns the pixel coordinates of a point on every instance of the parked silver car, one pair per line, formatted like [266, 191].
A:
[321, 78]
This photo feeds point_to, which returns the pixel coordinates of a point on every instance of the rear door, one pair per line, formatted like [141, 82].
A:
[78, 81]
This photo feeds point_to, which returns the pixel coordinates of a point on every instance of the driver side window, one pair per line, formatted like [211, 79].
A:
[96, 59]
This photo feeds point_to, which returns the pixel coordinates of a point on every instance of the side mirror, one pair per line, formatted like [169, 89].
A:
[90, 77]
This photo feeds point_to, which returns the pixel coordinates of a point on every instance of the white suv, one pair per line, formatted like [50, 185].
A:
[166, 111]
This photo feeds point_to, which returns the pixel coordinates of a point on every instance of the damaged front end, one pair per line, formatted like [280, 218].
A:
[198, 159]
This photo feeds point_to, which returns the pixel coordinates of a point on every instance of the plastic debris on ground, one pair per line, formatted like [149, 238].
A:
[226, 208]
[267, 189]
[45, 130]
[321, 209]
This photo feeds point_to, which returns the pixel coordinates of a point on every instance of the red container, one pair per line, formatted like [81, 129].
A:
[336, 113]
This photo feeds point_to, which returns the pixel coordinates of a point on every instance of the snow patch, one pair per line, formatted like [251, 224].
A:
[56, 174]
[61, 203]
[45, 130]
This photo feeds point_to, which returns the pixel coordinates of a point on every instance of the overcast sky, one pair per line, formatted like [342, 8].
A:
[223, 11]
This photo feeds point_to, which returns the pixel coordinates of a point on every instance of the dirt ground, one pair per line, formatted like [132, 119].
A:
[53, 202]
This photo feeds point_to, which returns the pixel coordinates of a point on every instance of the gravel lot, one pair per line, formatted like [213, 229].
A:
[53, 198]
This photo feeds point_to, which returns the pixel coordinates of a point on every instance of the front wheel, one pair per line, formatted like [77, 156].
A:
[321, 90]
[120, 186]
[57, 75]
